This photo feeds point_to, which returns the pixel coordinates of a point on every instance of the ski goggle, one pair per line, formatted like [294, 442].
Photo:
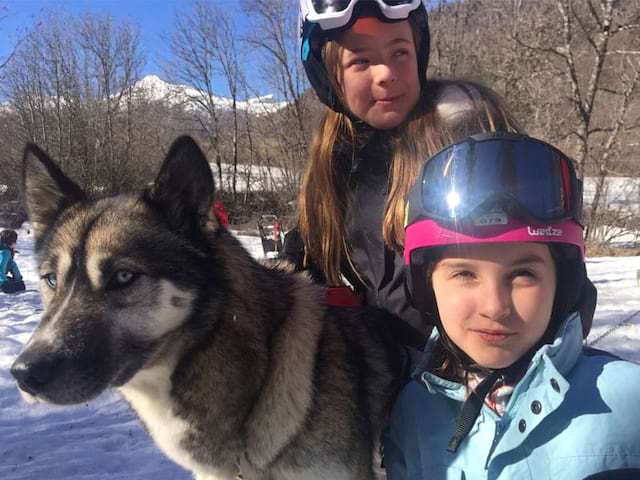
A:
[498, 172]
[332, 14]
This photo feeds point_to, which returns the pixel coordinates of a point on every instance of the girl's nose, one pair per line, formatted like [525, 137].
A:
[384, 74]
[495, 303]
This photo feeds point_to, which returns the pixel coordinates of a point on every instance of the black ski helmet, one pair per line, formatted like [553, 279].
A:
[318, 18]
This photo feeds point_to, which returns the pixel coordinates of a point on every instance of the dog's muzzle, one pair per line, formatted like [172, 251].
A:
[54, 376]
[34, 373]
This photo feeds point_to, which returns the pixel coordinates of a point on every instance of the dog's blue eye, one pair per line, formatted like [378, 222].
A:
[122, 278]
[51, 279]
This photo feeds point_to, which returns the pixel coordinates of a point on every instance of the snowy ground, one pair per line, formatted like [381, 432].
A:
[103, 440]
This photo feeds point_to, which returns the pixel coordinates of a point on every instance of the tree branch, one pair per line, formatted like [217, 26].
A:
[559, 52]
[623, 28]
[594, 13]
[623, 52]
[583, 27]
[609, 90]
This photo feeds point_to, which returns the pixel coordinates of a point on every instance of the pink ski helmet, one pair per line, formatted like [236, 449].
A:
[492, 188]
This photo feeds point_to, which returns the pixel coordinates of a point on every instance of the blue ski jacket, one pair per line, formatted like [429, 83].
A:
[7, 265]
[575, 413]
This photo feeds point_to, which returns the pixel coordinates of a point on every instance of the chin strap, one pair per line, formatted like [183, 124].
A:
[473, 404]
[471, 410]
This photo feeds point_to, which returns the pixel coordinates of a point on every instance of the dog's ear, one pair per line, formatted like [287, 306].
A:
[46, 190]
[184, 187]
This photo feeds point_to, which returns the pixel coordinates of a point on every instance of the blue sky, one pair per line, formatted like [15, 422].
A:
[155, 18]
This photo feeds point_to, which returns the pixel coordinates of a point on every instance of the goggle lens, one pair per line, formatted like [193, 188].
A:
[329, 6]
[480, 177]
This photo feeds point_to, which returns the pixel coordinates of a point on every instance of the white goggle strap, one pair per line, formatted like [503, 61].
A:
[333, 20]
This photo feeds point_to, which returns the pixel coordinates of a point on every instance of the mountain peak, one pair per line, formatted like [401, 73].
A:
[154, 88]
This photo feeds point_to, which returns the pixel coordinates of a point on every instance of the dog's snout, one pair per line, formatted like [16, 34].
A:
[34, 374]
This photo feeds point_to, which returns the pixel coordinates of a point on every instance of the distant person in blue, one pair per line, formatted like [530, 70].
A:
[506, 388]
[10, 277]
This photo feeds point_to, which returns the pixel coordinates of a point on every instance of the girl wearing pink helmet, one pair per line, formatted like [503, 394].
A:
[506, 388]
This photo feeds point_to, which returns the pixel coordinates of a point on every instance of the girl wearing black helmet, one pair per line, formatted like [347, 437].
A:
[506, 388]
[367, 62]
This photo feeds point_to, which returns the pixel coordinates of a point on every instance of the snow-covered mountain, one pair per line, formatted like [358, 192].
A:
[154, 88]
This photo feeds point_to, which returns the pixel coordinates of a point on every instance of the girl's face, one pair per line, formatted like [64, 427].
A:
[495, 300]
[378, 71]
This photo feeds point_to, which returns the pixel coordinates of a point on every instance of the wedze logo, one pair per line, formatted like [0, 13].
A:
[545, 232]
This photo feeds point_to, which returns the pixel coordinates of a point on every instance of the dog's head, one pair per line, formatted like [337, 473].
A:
[119, 275]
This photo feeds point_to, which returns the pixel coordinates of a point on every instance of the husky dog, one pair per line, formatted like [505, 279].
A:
[232, 366]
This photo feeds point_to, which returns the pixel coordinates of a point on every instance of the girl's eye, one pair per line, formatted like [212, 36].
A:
[523, 273]
[404, 56]
[51, 279]
[123, 278]
[359, 62]
[464, 275]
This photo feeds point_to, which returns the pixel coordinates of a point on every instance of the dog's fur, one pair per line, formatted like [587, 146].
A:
[232, 366]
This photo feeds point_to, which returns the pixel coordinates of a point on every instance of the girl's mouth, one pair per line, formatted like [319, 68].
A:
[387, 100]
[493, 336]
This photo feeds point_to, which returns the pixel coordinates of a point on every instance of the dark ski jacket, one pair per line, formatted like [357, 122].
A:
[380, 270]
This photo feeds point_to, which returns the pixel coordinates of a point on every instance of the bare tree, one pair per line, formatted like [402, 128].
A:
[8, 153]
[275, 37]
[454, 43]
[570, 68]
[194, 58]
[598, 24]
[228, 58]
[4, 14]
[66, 85]
[618, 219]
[113, 53]
[251, 152]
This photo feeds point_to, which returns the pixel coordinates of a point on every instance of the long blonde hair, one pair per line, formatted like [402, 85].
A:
[323, 196]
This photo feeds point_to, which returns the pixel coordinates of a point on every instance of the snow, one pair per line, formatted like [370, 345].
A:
[255, 178]
[154, 88]
[620, 192]
[103, 439]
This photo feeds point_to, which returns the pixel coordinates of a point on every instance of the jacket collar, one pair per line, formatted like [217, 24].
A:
[374, 150]
[559, 357]
[545, 384]
[563, 353]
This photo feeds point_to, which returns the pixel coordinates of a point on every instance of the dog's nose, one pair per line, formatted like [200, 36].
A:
[33, 375]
